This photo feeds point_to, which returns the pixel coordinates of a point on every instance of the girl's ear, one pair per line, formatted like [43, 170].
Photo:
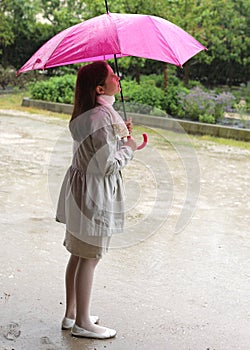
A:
[99, 89]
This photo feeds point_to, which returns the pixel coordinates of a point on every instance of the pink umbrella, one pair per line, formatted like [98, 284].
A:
[102, 37]
[115, 35]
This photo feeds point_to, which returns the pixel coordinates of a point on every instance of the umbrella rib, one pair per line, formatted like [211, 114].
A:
[70, 31]
[118, 40]
[173, 53]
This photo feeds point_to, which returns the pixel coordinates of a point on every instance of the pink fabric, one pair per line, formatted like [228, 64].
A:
[101, 37]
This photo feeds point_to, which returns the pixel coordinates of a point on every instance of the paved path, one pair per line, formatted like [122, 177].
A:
[166, 290]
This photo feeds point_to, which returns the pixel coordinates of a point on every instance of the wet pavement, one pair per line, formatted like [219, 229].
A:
[178, 279]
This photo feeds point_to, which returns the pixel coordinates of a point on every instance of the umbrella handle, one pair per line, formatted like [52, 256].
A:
[144, 143]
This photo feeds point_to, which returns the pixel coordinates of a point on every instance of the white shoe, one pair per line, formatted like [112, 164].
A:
[81, 332]
[68, 323]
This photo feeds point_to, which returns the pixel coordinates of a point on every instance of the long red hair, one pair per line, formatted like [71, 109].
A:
[88, 78]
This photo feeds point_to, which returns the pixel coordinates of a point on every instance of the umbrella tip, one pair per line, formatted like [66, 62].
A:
[107, 7]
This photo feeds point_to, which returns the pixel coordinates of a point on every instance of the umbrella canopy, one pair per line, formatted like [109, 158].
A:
[102, 37]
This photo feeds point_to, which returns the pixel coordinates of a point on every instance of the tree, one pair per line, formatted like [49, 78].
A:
[229, 41]
[6, 33]
[221, 25]
[26, 33]
[63, 13]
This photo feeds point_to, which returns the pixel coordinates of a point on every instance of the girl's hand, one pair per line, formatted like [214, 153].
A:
[129, 125]
[131, 143]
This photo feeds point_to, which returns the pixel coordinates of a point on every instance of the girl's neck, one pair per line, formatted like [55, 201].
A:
[105, 100]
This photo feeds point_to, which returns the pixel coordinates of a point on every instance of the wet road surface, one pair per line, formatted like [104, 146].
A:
[159, 289]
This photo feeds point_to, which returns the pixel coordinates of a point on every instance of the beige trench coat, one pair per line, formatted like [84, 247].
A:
[91, 200]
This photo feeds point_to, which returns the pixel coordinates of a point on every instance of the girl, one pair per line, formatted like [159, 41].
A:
[91, 197]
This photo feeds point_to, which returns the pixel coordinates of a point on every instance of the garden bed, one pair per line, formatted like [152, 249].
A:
[158, 122]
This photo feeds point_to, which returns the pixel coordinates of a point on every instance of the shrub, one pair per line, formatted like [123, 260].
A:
[194, 83]
[7, 76]
[199, 103]
[158, 112]
[207, 118]
[196, 103]
[172, 103]
[141, 98]
[153, 79]
[9, 80]
[224, 101]
[242, 95]
[56, 89]
[133, 107]
[145, 93]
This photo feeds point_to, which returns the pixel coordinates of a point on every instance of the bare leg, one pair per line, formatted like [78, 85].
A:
[83, 287]
[70, 311]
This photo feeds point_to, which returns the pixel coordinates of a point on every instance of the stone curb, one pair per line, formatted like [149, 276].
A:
[156, 122]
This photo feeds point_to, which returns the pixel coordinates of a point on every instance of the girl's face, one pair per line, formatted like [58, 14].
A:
[111, 85]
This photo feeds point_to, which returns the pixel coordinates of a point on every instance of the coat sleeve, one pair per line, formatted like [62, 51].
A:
[110, 155]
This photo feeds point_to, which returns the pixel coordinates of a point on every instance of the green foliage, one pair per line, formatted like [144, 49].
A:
[63, 13]
[242, 98]
[144, 93]
[199, 104]
[8, 79]
[133, 66]
[222, 26]
[140, 98]
[133, 107]
[172, 103]
[227, 36]
[145, 98]
[207, 118]
[26, 34]
[158, 112]
[7, 76]
[6, 33]
[56, 89]
[153, 79]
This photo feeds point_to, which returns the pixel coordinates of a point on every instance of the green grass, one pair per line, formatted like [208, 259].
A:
[14, 102]
[223, 141]
[160, 136]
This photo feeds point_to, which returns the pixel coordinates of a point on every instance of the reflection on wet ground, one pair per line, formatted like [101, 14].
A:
[159, 288]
